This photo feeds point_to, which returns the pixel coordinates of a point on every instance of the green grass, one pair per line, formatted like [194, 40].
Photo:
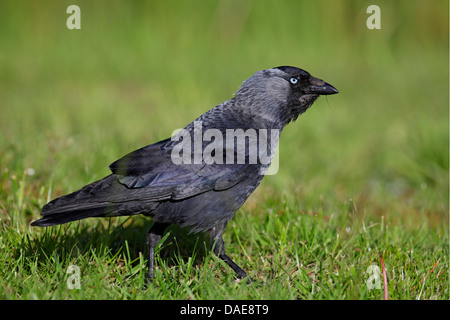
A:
[362, 174]
[290, 253]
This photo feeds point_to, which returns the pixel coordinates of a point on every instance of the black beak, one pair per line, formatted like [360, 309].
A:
[325, 89]
[320, 87]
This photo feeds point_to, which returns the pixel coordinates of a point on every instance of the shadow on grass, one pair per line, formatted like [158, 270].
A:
[113, 240]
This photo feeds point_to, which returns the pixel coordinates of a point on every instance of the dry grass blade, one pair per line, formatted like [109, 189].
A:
[385, 290]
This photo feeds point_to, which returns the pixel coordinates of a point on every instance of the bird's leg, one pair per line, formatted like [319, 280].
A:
[218, 247]
[153, 237]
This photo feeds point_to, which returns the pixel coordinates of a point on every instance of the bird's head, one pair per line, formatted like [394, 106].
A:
[282, 93]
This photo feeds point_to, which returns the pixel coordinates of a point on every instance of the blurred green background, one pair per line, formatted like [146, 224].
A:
[73, 101]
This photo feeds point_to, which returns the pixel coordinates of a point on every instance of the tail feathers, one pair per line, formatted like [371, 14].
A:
[69, 216]
[93, 210]
[102, 198]
[84, 203]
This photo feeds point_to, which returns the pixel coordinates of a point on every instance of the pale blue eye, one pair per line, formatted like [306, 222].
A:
[293, 80]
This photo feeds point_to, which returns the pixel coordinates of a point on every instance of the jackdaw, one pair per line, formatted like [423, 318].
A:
[190, 186]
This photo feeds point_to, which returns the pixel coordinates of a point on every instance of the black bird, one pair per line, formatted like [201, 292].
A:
[200, 187]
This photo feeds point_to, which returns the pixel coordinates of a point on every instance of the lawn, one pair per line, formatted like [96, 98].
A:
[363, 175]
